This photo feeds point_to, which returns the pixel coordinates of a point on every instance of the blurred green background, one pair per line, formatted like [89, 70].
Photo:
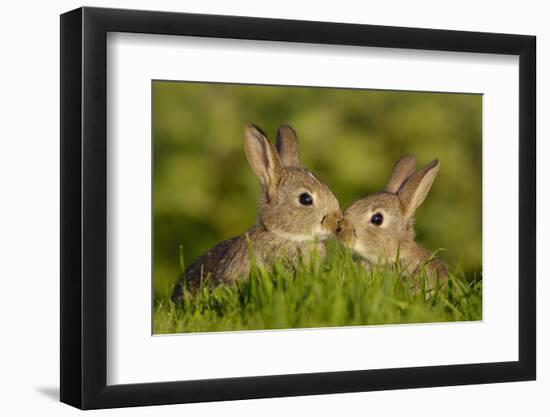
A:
[205, 192]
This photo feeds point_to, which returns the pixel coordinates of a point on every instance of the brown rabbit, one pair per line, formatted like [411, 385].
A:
[379, 227]
[296, 211]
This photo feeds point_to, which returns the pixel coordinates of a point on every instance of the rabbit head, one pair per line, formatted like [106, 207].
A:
[380, 226]
[294, 204]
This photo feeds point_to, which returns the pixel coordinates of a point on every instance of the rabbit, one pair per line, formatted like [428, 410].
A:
[380, 227]
[297, 211]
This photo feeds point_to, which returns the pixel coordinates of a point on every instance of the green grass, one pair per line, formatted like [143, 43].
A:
[335, 292]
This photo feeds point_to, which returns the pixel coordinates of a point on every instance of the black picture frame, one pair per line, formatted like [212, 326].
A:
[84, 207]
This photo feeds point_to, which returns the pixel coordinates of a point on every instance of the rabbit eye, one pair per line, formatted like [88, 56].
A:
[305, 199]
[377, 219]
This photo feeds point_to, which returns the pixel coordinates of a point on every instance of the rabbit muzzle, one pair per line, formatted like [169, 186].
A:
[330, 221]
[346, 232]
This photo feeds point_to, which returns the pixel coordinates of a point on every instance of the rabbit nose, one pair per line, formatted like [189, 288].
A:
[344, 229]
[340, 226]
[331, 221]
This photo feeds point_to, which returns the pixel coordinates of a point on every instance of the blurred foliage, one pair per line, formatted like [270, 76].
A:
[204, 190]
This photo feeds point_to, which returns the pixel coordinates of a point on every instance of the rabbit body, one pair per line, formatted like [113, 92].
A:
[229, 260]
[297, 211]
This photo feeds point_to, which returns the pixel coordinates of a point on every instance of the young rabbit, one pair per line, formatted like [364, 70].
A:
[296, 211]
[379, 227]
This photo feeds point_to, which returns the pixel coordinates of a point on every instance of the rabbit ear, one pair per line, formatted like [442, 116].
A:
[416, 187]
[287, 146]
[262, 156]
[402, 170]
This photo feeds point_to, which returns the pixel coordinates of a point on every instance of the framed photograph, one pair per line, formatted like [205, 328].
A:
[257, 208]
